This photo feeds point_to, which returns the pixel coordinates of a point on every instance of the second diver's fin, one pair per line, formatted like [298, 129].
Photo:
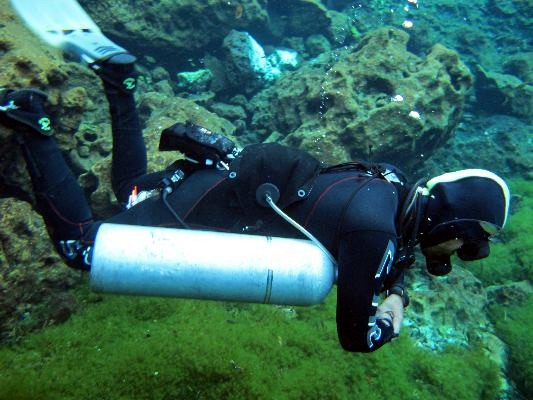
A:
[66, 25]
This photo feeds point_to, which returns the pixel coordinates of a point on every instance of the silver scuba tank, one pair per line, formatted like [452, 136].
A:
[152, 261]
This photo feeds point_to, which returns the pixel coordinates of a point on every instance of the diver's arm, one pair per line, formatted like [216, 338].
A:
[365, 258]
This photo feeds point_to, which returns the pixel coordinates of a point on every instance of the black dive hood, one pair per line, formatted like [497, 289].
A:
[471, 205]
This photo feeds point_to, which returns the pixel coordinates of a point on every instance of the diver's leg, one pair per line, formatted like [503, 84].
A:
[60, 199]
[129, 151]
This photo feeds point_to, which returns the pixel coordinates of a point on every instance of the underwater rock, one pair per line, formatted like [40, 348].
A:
[74, 97]
[160, 74]
[73, 102]
[33, 278]
[504, 139]
[179, 34]
[25, 61]
[228, 111]
[173, 32]
[317, 44]
[483, 32]
[451, 311]
[298, 18]
[195, 81]
[509, 294]
[338, 106]
[447, 310]
[503, 94]
[504, 7]
[337, 4]
[520, 65]
[248, 67]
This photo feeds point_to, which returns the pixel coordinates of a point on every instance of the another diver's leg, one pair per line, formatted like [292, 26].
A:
[59, 198]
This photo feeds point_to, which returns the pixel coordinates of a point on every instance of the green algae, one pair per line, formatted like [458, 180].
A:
[514, 326]
[147, 348]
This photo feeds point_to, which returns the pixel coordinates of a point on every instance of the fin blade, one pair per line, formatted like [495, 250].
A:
[50, 19]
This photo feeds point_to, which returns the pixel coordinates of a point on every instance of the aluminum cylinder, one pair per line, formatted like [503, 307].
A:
[153, 261]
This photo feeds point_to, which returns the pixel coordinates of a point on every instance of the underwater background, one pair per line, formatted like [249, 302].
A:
[430, 86]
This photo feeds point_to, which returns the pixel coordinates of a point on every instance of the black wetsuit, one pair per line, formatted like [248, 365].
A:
[350, 212]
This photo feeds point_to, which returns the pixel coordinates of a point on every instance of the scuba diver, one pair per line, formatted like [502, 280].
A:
[367, 216]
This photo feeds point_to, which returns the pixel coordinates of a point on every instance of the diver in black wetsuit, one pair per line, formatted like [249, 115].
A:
[367, 216]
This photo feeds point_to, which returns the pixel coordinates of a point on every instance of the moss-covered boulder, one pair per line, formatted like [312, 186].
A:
[375, 95]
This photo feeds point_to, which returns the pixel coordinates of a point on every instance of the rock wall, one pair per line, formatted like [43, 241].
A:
[179, 33]
[33, 278]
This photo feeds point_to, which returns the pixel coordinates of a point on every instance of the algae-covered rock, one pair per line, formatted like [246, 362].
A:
[402, 106]
[195, 81]
[509, 294]
[180, 33]
[33, 279]
[520, 65]
[298, 18]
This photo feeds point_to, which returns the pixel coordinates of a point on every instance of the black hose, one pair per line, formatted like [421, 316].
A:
[164, 195]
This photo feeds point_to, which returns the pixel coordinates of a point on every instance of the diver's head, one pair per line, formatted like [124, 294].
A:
[463, 210]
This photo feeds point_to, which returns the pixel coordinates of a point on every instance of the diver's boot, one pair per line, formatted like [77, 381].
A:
[117, 73]
[25, 106]
[114, 64]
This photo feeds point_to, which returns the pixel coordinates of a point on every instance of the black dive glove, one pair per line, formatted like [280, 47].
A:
[205, 147]
[381, 333]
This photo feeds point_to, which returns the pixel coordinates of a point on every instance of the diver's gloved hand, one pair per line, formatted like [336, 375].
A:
[207, 148]
[25, 106]
[381, 333]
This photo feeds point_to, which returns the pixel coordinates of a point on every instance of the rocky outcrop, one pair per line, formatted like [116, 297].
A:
[499, 93]
[448, 310]
[179, 34]
[402, 106]
[451, 311]
[174, 31]
[504, 140]
[33, 279]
